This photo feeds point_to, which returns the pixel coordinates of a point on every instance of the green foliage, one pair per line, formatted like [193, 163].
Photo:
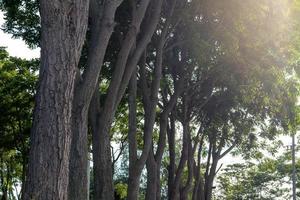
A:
[17, 88]
[244, 67]
[22, 20]
[121, 190]
[264, 179]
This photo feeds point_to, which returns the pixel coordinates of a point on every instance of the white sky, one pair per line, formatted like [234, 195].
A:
[16, 47]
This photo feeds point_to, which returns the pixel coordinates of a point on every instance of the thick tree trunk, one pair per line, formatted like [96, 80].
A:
[64, 26]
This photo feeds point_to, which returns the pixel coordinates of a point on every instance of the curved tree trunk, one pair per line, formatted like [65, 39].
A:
[125, 66]
[101, 28]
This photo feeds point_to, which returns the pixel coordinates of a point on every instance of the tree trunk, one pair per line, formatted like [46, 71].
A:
[124, 68]
[210, 179]
[4, 188]
[175, 190]
[151, 166]
[171, 167]
[103, 180]
[78, 186]
[101, 30]
[133, 185]
[101, 138]
[104, 189]
[134, 175]
[64, 26]
[187, 187]
[198, 192]
[24, 166]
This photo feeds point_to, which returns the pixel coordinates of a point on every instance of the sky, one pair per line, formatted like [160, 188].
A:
[16, 47]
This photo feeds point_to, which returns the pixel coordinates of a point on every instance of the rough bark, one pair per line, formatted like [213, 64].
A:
[64, 25]
[101, 28]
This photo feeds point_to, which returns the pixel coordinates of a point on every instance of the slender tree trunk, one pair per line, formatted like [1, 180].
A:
[134, 175]
[103, 181]
[171, 167]
[198, 192]
[187, 187]
[64, 26]
[175, 190]
[124, 68]
[210, 179]
[101, 139]
[101, 28]
[105, 189]
[78, 186]
[24, 167]
[4, 188]
[151, 166]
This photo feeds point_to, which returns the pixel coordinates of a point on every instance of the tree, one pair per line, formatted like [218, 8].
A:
[17, 88]
[63, 26]
[198, 82]
[265, 178]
